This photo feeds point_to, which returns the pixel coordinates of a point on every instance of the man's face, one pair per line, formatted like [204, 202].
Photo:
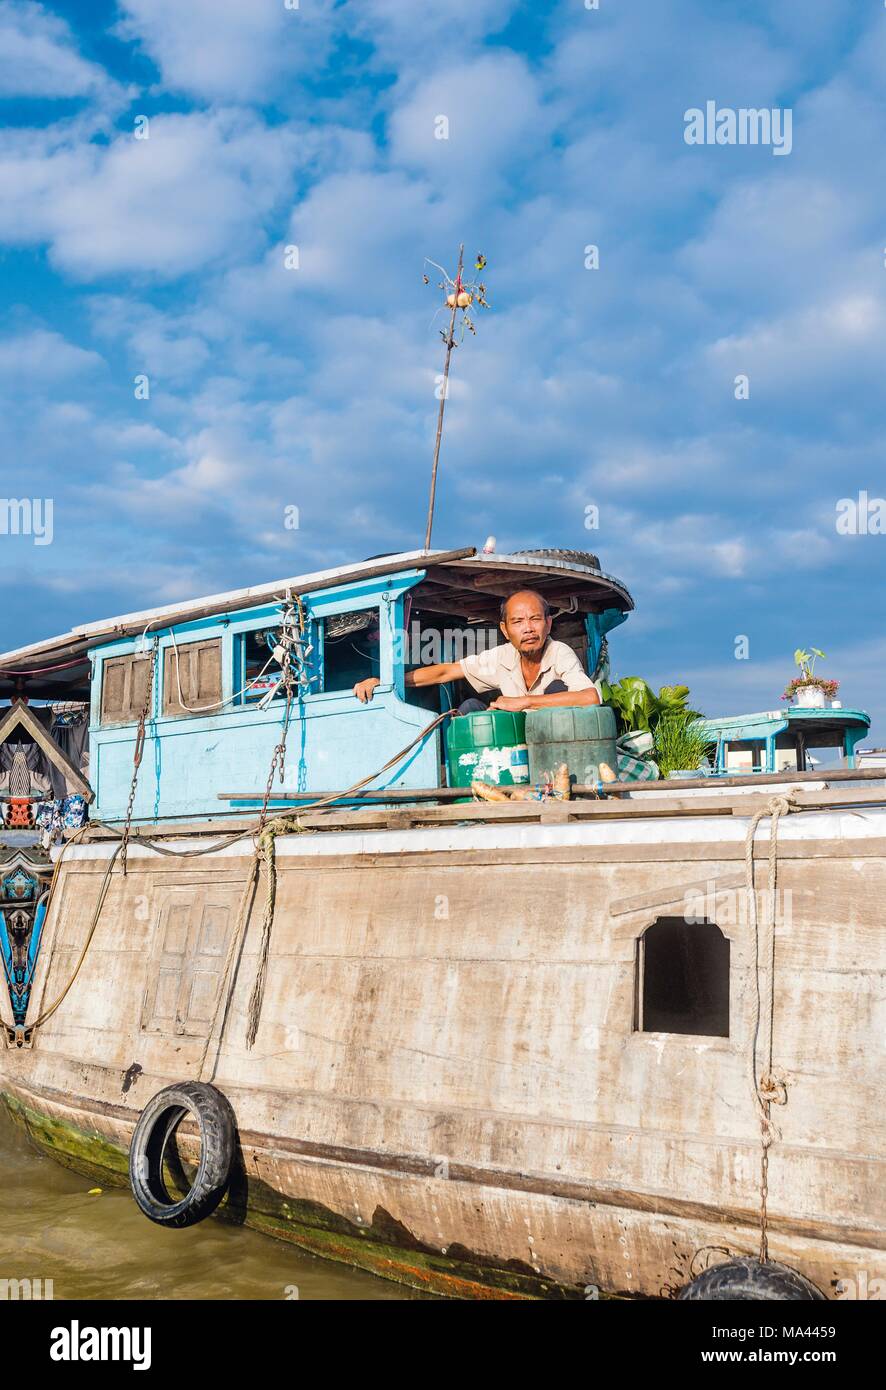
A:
[525, 625]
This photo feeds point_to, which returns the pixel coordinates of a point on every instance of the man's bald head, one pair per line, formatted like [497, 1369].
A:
[524, 594]
[526, 622]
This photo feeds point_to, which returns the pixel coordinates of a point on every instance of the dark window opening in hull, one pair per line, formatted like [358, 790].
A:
[683, 979]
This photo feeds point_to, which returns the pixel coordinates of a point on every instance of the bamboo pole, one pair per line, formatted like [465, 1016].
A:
[450, 344]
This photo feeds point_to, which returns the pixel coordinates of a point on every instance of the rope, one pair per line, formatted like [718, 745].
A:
[264, 849]
[768, 1088]
[236, 938]
[216, 704]
[138, 751]
[292, 824]
[103, 892]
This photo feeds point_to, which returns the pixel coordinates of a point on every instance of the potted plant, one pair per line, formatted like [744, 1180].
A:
[660, 727]
[681, 750]
[809, 691]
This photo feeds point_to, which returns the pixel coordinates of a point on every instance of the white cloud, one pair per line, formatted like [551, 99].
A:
[41, 358]
[809, 346]
[398, 37]
[771, 227]
[169, 347]
[191, 197]
[229, 50]
[39, 57]
[495, 120]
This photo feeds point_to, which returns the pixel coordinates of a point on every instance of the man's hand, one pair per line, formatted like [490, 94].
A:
[363, 689]
[513, 703]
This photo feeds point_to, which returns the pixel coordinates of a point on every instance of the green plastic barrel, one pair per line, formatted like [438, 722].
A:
[489, 746]
[582, 736]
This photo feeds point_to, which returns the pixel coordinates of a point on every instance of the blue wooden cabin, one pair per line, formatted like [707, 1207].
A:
[214, 720]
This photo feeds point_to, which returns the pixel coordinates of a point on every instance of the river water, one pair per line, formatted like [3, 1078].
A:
[98, 1245]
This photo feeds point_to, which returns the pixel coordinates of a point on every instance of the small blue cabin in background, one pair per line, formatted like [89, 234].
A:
[210, 732]
[783, 740]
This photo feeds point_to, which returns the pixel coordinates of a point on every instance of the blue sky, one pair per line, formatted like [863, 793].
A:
[314, 387]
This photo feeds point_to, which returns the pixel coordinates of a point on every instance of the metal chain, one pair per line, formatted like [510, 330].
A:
[137, 753]
[278, 760]
[288, 680]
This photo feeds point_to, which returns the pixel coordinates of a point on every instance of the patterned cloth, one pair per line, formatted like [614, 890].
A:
[67, 813]
[631, 769]
[18, 813]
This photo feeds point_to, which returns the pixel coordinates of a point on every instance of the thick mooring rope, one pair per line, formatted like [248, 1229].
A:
[768, 1088]
[227, 978]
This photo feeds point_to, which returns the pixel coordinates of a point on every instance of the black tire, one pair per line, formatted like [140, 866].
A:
[747, 1281]
[574, 557]
[156, 1125]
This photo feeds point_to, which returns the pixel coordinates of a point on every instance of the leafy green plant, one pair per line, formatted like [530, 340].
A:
[637, 707]
[679, 745]
[806, 662]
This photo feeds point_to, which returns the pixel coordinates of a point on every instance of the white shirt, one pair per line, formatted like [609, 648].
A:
[500, 668]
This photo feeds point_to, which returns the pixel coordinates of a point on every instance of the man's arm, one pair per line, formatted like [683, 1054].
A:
[563, 697]
[424, 675]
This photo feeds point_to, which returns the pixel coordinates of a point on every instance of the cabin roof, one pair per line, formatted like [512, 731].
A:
[749, 726]
[457, 582]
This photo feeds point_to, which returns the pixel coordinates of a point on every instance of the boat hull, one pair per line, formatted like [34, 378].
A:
[448, 1087]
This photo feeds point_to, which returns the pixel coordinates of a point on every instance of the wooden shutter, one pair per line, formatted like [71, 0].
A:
[124, 686]
[185, 971]
[199, 671]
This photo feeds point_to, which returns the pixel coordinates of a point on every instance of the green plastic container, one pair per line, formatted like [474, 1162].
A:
[489, 746]
[582, 736]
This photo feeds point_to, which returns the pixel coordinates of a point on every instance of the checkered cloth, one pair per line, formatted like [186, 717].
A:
[631, 769]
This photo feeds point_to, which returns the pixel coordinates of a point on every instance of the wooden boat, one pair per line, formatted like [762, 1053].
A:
[500, 1050]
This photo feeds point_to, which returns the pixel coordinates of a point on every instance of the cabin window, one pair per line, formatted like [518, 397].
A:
[350, 648]
[344, 646]
[124, 687]
[683, 979]
[258, 672]
[746, 757]
[192, 677]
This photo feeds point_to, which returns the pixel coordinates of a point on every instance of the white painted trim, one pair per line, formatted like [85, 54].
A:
[843, 826]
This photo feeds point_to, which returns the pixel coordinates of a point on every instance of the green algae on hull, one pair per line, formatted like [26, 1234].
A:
[384, 1248]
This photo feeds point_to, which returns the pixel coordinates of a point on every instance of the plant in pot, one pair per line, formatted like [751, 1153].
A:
[809, 691]
[681, 750]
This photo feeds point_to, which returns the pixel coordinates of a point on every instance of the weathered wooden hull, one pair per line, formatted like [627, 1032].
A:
[447, 1086]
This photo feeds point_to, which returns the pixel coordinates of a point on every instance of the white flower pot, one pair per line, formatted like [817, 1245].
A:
[809, 697]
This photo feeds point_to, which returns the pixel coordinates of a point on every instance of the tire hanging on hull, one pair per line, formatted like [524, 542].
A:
[747, 1281]
[147, 1153]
